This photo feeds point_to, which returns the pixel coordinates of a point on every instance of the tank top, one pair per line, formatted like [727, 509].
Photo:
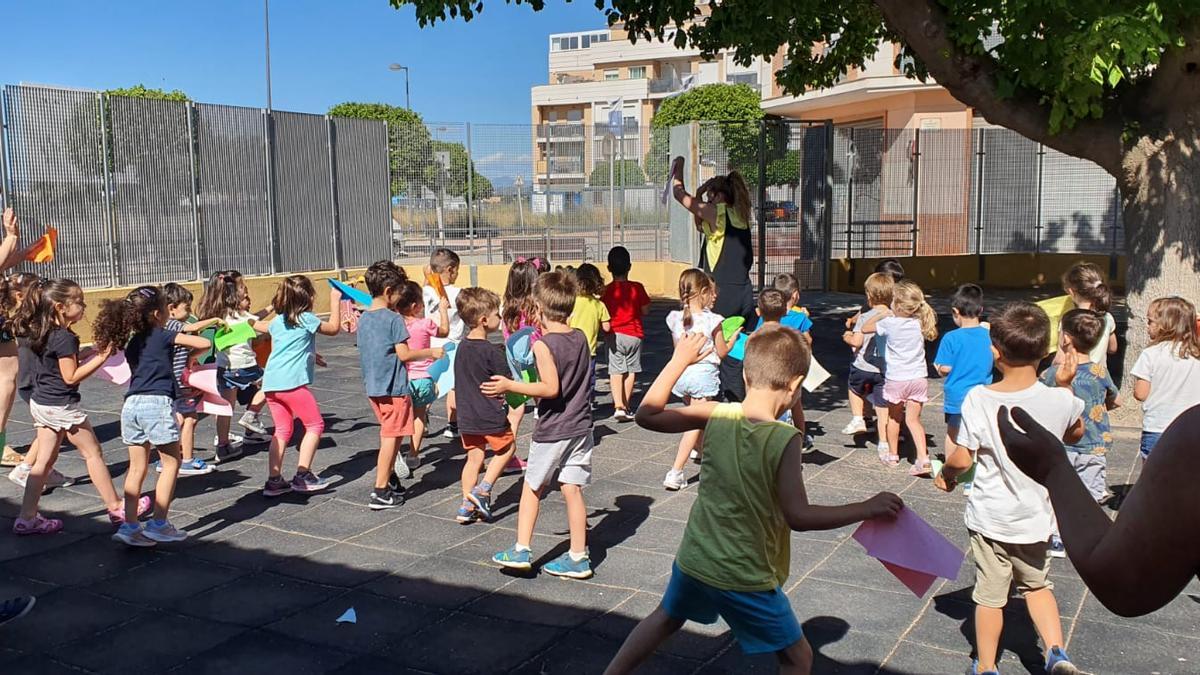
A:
[568, 415]
[728, 252]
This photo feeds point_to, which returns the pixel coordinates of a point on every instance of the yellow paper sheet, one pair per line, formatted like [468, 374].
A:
[1055, 308]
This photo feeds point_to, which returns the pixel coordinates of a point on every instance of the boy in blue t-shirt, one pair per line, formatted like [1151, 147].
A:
[964, 358]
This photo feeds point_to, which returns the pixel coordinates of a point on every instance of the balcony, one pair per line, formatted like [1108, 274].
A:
[561, 132]
[744, 78]
[666, 85]
[563, 78]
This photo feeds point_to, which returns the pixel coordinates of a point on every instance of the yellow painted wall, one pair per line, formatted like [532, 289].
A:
[1012, 270]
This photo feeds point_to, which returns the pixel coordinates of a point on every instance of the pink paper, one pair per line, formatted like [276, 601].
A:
[115, 369]
[911, 549]
[204, 380]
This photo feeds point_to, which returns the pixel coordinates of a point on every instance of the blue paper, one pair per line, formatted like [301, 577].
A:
[349, 616]
[350, 293]
[442, 371]
[738, 350]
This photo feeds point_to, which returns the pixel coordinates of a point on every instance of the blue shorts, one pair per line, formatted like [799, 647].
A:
[243, 380]
[762, 621]
[953, 421]
[1149, 440]
[700, 380]
[148, 418]
[422, 392]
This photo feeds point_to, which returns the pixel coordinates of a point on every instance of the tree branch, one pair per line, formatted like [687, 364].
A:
[1174, 86]
[971, 78]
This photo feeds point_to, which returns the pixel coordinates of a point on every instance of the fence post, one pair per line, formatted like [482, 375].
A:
[980, 157]
[827, 197]
[1037, 230]
[916, 196]
[470, 191]
[762, 204]
[4, 192]
[191, 122]
[269, 153]
[114, 270]
[333, 196]
[852, 153]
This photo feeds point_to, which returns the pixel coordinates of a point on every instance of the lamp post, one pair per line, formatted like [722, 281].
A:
[267, 40]
[519, 182]
[397, 66]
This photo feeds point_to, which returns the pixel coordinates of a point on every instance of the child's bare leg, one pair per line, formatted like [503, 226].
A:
[617, 384]
[527, 513]
[576, 516]
[796, 659]
[989, 622]
[798, 416]
[308, 449]
[912, 418]
[451, 408]
[471, 468]
[257, 403]
[688, 441]
[135, 477]
[895, 413]
[629, 379]
[40, 469]
[856, 404]
[187, 436]
[83, 438]
[385, 463]
[515, 415]
[881, 419]
[1043, 609]
[495, 468]
[420, 422]
[646, 637]
[164, 488]
[223, 423]
[31, 453]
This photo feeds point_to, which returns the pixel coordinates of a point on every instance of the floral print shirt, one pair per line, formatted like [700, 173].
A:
[1094, 387]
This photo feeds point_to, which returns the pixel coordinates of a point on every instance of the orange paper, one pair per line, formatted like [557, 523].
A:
[262, 349]
[434, 279]
[43, 250]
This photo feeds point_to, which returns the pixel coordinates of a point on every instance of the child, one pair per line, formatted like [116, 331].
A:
[244, 354]
[443, 264]
[421, 332]
[562, 438]
[701, 381]
[383, 350]
[865, 381]
[45, 318]
[485, 420]
[797, 319]
[964, 357]
[1167, 373]
[910, 323]
[135, 325]
[1008, 515]
[517, 312]
[286, 378]
[1085, 284]
[627, 302]
[733, 560]
[187, 400]
[590, 315]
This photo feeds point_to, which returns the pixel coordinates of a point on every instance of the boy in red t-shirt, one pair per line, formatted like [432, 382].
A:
[627, 302]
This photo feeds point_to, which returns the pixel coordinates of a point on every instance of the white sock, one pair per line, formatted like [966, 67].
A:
[576, 557]
[856, 418]
[884, 447]
[521, 548]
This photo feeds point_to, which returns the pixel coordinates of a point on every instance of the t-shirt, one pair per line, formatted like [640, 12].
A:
[702, 322]
[968, 352]
[1174, 384]
[241, 355]
[625, 300]
[149, 355]
[1099, 353]
[588, 315]
[420, 334]
[1093, 386]
[794, 319]
[179, 355]
[48, 385]
[568, 415]
[1006, 505]
[870, 345]
[476, 362]
[383, 373]
[27, 367]
[905, 349]
[457, 329]
[293, 353]
[736, 537]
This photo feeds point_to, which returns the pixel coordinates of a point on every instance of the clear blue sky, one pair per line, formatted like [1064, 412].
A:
[322, 52]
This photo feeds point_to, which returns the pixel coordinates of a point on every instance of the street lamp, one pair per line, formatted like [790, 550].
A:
[397, 66]
[519, 182]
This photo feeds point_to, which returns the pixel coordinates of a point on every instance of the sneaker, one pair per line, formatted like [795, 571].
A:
[694, 455]
[11, 457]
[394, 484]
[234, 440]
[401, 470]
[11, 610]
[966, 488]
[451, 431]
[133, 535]
[1058, 663]
[225, 453]
[413, 462]
[276, 486]
[57, 480]
[566, 566]
[307, 481]
[252, 438]
[20, 474]
[37, 525]
[118, 516]
[856, 426]
[164, 532]
[621, 415]
[384, 499]
[251, 422]
[482, 502]
[1057, 550]
[675, 480]
[809, 443]
[466, 514]
[975, 669]
[514, 559]
[193, 467]
[515, 465]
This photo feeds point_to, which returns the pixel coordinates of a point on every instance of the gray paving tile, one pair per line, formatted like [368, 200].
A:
[65, 615]
[255, 600]
[1103, 647]
[577, 654]
[910, 657]
[257, 548]
[82, 563]
[380, 621]
[491, 647]
[345, 565]
[439, 582]
[693, 642]
[549, 601]
[157, 641]
[165, 581]
[269, 652]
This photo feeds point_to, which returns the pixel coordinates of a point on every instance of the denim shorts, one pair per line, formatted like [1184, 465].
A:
[422, 391]
[762, 621]
[1149, 440]
[243, 380]
[149, 418]
[700, 380]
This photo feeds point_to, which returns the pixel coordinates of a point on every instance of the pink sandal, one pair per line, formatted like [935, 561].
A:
[920, 469]
[117, 517]
[888, 459]
[37, 525]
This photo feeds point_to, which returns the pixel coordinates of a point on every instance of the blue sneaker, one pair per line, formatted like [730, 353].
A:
[566, 566]
[307, 481]
[482, 503]
[467, 514]
[975, 669]
[514, 559]
[1058, 663]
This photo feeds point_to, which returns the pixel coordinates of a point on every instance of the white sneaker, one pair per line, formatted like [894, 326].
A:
[694, 455]
[20, 474]
[619, 415]
[250, 422]
[56, 479]
[234, 440]
[401, 470]
[856, 426]
[675, 480]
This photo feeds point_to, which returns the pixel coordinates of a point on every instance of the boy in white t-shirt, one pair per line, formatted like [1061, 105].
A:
[443, 264]
[1008, 514]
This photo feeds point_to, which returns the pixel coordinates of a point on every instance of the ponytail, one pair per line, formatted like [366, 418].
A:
[909, 300]
[739, 194]
[692, 283]
[928, 319]
[36, 316]
[1087, 283]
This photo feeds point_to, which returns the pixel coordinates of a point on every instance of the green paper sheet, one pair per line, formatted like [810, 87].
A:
[236, 334]
[729, 326]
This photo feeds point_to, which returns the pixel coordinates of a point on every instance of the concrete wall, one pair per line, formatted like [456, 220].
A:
[1012, 270]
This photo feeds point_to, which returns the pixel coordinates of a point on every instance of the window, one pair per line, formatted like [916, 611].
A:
[612, 75]
[587, 41]
[637, 72]
[575, 115]
[574, 42]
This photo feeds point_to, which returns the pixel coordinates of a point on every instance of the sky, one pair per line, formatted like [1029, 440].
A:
[322, 52]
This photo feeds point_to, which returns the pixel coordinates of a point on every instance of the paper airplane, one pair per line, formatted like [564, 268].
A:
[350, 293]
[910, 549]
[43, 250]
[348, 617]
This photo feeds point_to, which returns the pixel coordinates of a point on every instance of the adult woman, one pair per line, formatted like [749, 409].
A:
[10, 255]
[721, 209]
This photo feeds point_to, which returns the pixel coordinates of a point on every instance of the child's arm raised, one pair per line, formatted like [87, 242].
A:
[653, 414]
[73, 373]
[547, 387]
[443, 317]
[332, 325]
[869, 326]
[405, 354]
[192, 341]
[802, 516]
[721, 346]
[201, 325]
[852, 338]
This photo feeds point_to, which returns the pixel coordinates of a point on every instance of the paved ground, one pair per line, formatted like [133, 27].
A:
[260, 584]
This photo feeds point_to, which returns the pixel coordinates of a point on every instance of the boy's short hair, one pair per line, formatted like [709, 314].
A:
[892, 268]
[968, 300]
[475, 303]
[555, 295]
[618, 261]
[775, 356]
[443, 259]
[1021, 333]
[1083, 328]
[176, 294]
[772, 305]
[879, 287]
[382, 275]
[788, 284]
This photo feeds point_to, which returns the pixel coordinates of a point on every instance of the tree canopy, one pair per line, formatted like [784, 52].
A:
[626, 173]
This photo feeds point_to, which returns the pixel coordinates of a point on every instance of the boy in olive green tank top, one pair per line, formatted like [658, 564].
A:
[735, 552]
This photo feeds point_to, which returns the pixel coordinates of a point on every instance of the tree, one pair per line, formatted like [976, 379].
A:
[1117, 83]
[626, 173]
[410, 146]
[456, 173]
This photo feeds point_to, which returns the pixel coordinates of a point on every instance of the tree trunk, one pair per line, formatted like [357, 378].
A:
[1160, 189]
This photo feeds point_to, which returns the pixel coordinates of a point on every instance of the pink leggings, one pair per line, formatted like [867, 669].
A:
[287, 405]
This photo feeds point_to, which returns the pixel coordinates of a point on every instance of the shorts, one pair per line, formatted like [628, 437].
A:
[700, 380]
[422, 392]
[571, 458]
[953, 421]
[733, 380]
[998, 565]
[1092, 469]
[762, 621]
[1149, 440]
[903, 391]
[395, 415]
[497, 442]
[243, 380]
[868, 385]
[149, 418]
[57, 417]
[624, 353]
